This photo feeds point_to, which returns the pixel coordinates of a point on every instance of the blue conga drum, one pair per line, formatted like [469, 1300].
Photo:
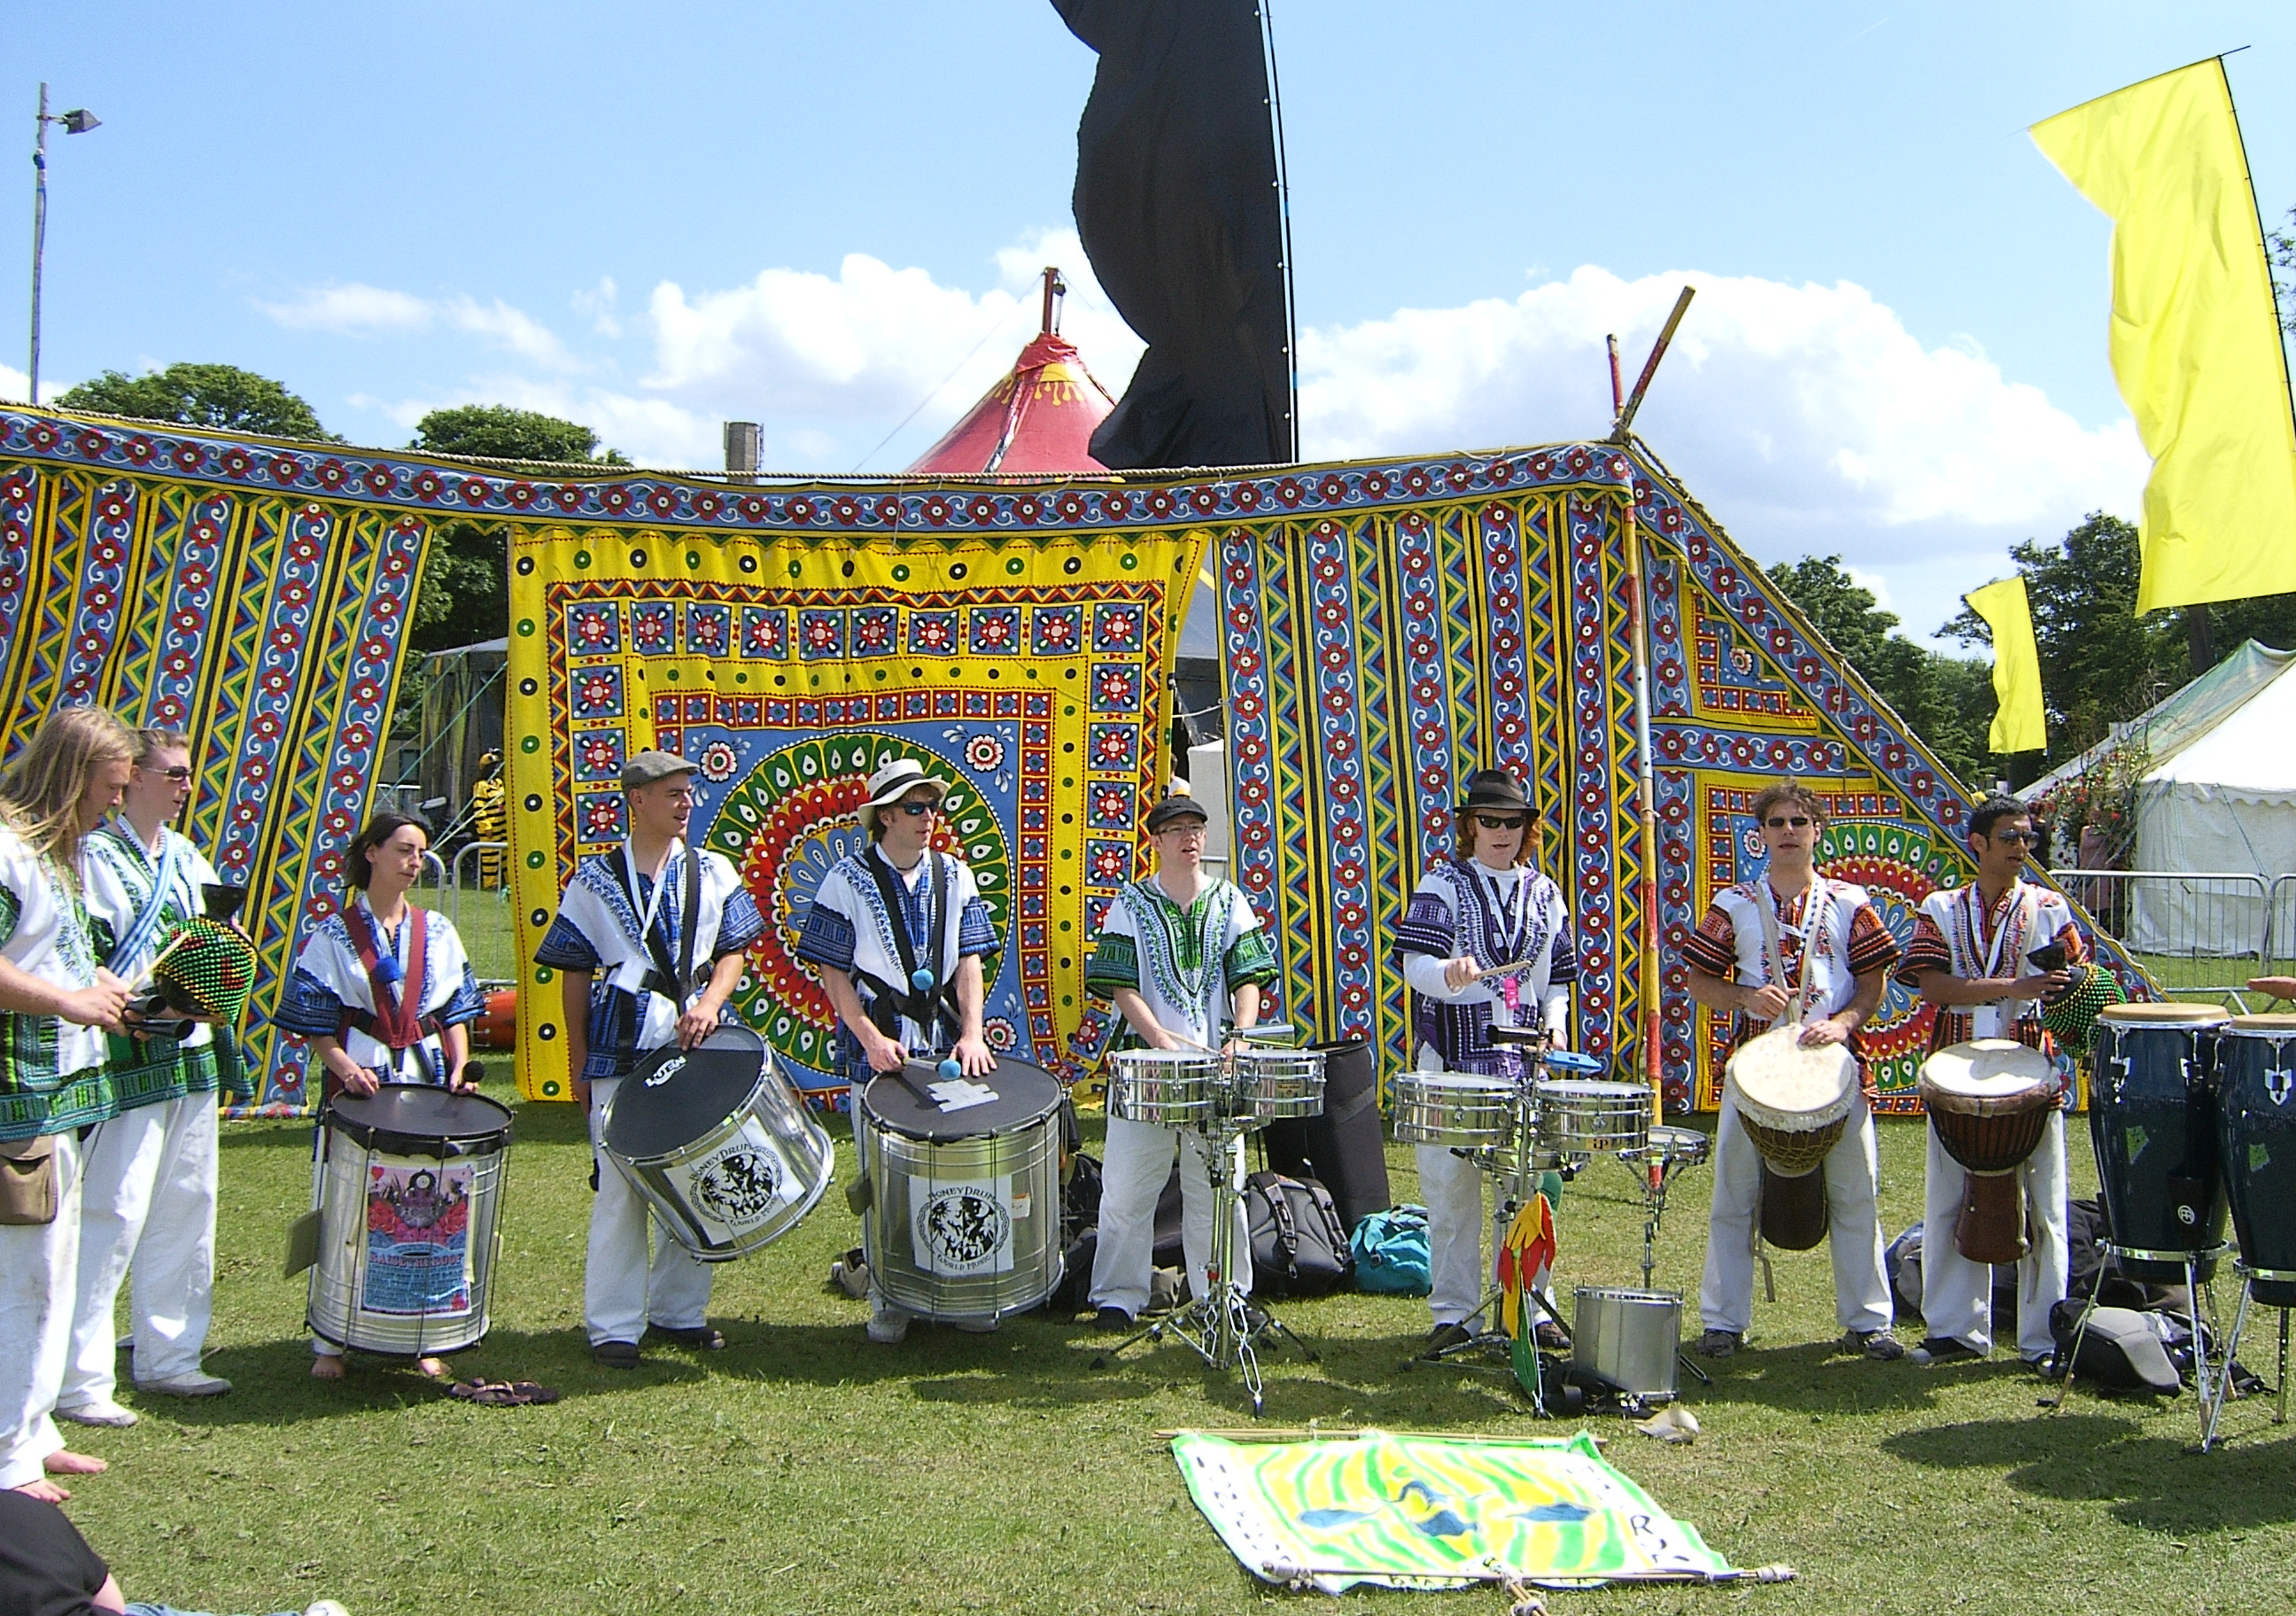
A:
[2152, 1118]
[2254, 1058]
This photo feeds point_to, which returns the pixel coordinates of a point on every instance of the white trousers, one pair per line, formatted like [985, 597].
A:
[1139, 1159]
[1957, 1293]
[1861, 1294]
[38, 1268]
[621, 1291]
[147, 1208]
[1452, 1189]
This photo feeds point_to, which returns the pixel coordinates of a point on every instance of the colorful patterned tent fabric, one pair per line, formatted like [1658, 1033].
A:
[1411, 1512]
[1039, 418]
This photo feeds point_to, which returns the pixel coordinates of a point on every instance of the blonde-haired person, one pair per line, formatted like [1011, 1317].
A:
[56, 1002]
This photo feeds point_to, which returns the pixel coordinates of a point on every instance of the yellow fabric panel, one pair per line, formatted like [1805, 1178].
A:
[2019, 723]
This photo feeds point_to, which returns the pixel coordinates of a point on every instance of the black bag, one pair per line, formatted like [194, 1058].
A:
[2089, 1270]
[2120, 1348]
[1298, 1242]
[1344, 1147]
[1902, 1263]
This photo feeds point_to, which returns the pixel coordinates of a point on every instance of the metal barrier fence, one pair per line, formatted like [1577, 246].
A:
[2197, 930]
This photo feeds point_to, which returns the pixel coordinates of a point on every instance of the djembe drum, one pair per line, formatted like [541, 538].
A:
[1795, 1103]
[1990, 1102]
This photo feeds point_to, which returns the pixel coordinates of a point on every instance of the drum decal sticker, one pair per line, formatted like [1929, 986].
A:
[960, 1229]
[741, 1186]
[418, 1247]
[2279, 1081]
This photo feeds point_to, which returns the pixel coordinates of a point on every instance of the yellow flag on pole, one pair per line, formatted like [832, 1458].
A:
[2018, 725]
[2195, 337]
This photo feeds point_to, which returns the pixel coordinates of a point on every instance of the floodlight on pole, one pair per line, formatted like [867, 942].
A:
[80, 120]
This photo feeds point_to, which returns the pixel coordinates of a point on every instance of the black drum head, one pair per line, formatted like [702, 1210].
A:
[1024, 1094]
[675, 1096]
[418, 1118]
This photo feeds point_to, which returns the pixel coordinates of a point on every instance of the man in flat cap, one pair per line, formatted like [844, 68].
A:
[898, 934]
[648, 947]
[1178, 955]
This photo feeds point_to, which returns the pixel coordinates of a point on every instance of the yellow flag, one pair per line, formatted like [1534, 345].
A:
[2195, 339]
[2018, 723]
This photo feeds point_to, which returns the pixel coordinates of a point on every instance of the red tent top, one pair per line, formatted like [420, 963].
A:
[1039, 418]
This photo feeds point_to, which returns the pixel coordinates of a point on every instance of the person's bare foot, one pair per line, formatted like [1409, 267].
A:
[436, 1369]
[64, 1461]
[46, 1491]
[326, 1366]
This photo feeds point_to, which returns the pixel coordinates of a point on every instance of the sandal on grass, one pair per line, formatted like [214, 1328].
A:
[501, 1394]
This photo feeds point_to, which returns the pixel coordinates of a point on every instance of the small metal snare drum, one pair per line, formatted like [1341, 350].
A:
[1169, 1088]
[1580, 1117]
[1454, 1108]
[1278, 1084]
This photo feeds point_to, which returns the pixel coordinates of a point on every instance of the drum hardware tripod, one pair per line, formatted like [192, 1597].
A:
[1223, 1325]
[2226, 1391]
[2210, 1393]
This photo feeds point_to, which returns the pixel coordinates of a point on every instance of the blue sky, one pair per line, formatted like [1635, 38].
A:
[654, 218]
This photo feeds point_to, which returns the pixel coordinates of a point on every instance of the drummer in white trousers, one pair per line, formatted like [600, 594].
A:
[1833, 953]
[148, 1182]
[56, 1001]
[1178, 954]
[623, 918]
[1486, 908]
[1968, 958]
[898, 934]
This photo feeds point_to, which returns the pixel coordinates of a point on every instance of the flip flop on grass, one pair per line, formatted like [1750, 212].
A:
[501, 1394]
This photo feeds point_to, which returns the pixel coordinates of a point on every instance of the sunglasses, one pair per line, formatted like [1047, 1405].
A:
[1497, 822]
[918, 810]
[2018, 838]
[178, 774]
[1799, 822]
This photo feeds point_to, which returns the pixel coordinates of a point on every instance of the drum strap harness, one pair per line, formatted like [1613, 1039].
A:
[147, 924]
[673, 979]
[930, 1006]
[395, 1023]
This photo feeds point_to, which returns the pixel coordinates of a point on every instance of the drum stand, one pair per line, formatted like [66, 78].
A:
[2225, 1388]
[1224, 1326]
[2209, 1390]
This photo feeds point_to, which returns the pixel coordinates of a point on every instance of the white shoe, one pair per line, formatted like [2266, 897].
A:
[106, 1413]
[197, 1383]
[888, 1325]
[325, 1607]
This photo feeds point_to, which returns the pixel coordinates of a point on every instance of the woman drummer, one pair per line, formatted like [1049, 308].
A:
[382, 990]
[1486, 938]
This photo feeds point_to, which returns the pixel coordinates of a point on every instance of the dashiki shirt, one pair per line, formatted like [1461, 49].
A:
[1957, 932]
[1831, 922]
[122, 876]
[1186, 963]
[849, 929]
[51, 1071]
[599, 932]
[1496, 917]
[329, 982]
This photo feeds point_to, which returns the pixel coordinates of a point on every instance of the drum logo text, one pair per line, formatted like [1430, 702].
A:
[666, 1071]
[739, 1186]
[963, 1227]
[2277, 1082]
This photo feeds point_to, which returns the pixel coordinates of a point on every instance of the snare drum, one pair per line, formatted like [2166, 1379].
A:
[2254, 1057]
[1454, 1108]
[1677, 1147]
[1169, 1088]
[1989, 1102]
[1278, 1084]
[2152, 1119]
[715, 1140]
[965, 1209]
[409, 1188]
[1794, 1101]
[1578, 1117]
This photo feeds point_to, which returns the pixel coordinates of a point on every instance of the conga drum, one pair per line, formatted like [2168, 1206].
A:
[1990, 1101]
[1795, 1103]
[2254, 1058]
[2153, 1119]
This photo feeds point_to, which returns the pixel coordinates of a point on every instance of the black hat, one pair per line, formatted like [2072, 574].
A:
[1173, 808]
[1493, 788]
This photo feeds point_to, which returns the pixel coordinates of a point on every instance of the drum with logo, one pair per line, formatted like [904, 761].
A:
[719, 1146]
[1454, 1108]
[1580, 1117]
[2153, 1119]
[1169, 1087]
[1277, 1084]
[964, 1182]
[1989, 1102]
[410, 1196]
[1794, 1101]
[2254, 1057]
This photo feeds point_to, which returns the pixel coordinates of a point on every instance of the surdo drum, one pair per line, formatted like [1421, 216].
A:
[2153, 1119]
[1794, 1101]
[410, 1195]
[964, 1182]
[1990, 1102]
[717, 1145]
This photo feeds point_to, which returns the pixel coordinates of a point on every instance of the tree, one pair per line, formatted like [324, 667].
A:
[2281, 246]
[220, 396]
[1948, 702]
[496, 431]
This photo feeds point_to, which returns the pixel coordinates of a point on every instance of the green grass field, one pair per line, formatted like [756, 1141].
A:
[803, 1470]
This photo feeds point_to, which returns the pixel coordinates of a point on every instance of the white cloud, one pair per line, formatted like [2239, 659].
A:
[353, 309]
[596, 306]
[651, 432]
[513, 328]
[16, 387]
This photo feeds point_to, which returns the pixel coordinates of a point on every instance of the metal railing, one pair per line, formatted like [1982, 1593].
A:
[2189, 927]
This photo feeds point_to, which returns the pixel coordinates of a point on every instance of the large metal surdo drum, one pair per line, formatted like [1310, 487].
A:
[1793, 1101]
[717, 1144]
[2254, 1057]
[964, 1182]
[1990, 1101]
[2153, 1119]
[410, 1196]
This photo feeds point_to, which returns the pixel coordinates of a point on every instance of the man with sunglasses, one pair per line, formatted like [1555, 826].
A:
[898, 934]
[1968, 957]
[1792, 942]
[1485, 937]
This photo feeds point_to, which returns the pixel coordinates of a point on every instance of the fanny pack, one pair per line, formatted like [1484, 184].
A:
[28, 1181]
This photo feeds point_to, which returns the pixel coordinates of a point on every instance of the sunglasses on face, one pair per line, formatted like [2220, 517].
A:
[179, 775]
[918, 810]
[1494, 822]
[1799, 822]
[2018, 838]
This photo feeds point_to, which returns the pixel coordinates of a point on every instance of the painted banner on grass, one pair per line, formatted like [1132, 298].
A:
[1028, 670]
[1399, 1511]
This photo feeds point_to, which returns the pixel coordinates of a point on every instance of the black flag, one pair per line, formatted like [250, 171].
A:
[1177, 206]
